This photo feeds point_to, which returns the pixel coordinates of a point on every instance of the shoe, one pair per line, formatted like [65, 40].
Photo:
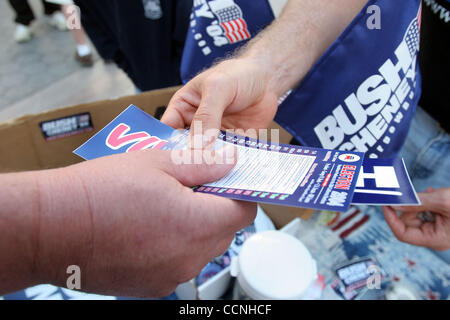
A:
[22, 34]
[58, 21]
[85, 61]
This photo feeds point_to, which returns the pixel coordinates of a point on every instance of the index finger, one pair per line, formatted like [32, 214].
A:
[181, 109]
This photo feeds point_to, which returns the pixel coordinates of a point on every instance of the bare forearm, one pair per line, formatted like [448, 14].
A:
[42, 228]
[18, 207]
[289, 47]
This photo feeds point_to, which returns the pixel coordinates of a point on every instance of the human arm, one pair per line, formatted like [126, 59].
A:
[128, 221]
[242, 92]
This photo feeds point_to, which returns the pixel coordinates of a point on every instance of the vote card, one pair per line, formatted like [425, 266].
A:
[268, 172]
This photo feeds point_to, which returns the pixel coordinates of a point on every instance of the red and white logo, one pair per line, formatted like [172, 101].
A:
[119, 138]
[347, 157]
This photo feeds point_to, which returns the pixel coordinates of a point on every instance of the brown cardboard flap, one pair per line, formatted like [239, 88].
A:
[23, 145]
[16, 148]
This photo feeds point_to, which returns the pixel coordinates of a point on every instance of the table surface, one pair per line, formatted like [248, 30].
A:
[362, 232]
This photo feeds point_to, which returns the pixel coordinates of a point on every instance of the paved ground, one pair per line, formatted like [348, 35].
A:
[27, 68]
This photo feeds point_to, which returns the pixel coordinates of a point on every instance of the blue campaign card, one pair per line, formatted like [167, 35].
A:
[265, 172]
[384, 182]
[131, 130]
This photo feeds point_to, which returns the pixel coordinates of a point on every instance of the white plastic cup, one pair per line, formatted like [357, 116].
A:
[273, 265]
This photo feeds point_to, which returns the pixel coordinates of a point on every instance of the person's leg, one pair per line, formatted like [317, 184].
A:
[24, 17]
[24, 13]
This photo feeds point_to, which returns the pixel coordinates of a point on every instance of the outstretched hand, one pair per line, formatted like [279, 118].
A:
[232, 95]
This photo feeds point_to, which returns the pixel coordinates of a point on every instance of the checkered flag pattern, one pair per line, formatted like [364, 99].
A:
[412, 36]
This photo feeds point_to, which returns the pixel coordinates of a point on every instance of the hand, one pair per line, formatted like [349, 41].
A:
[140, 230]
[412, 229]
[232, 95]
[242, 93]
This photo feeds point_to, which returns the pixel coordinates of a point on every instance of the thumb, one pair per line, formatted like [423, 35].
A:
[217, 93]
[194, 167]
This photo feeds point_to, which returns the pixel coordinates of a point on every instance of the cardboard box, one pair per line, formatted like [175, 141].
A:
[24, 145]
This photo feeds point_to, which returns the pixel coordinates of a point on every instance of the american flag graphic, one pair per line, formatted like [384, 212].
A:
[412, 36]
[230, 19]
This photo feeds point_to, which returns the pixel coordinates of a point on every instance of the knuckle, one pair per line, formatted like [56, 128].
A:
[176, 98]
[203, 115]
